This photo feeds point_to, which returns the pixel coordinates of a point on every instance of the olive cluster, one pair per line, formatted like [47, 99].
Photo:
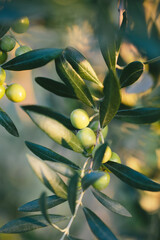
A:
[14, 92]
[91, 140]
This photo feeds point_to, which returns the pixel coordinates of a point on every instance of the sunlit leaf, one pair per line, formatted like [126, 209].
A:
[99, 229]
[48, 177]
[131, 73]
[32, 59]
[7, 123]
[81, 65]
[73, 80]
[98, 157]
[132, 177]
[29, 223]
[55, 126]
[47, 154]
[3, 29]
[139, 115]
[110, 104]
[57, 88]
[34, 206]
[90, 178]
[72, 192]
[61, 168]
[111, 204]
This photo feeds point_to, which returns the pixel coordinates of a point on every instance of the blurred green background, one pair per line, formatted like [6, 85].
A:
[61, 23]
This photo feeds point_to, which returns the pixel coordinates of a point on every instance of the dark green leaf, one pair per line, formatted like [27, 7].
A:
[72, 79]
[48, 177]
[72, 192]
[111, 204]
[98, 157]
[34, 206]
[139, 115]
[99, 229]
[57, 88]
[121, 31]
[132, 177]
[47, 154]
[7, 123]
[90, 178]
[62, 168]
[131, 73]
[32, 59]
[3, 30]
[29, 223]
[81, 65]
[43, 207]
[110, 104]
[54, 125]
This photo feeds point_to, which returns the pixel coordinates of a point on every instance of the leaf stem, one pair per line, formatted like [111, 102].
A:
[152, 60]
[93, 116]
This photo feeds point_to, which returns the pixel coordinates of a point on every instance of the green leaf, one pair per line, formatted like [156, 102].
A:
[111, 204]
[99, 229]
[121, 31]
[72, 192]
[29, 223]
[55, 126]
[32, 59]
[3, 30]
[72, 79]
[81, 65]
[62, 168]
[98, 157]
[90, 178]
[34, 206]
[132, 177]
[7, 123]
[110, 104]
[48, 177]
[57, 88]
[139, 115]
[131, 73]
[47, 154]
[43, 207]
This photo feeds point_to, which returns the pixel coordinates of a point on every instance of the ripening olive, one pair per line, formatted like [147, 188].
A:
[79, 118]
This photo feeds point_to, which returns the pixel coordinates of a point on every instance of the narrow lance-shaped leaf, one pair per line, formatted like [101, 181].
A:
[121, 31]
[72, 79]
[47, 154]
[90, 178]
[61, 168]
[32, 59]
[110, 104]
[98, 157]
[81, 65]
[3, 29]
[131, 73]
[99, 229]
[54, 127]
[29, 223]
[48, 177]
[33, 206]
[43, 207]
[57, 88]
[132, 177]
[72, 192]
[111, 204]
[139, 115]
[7, 123]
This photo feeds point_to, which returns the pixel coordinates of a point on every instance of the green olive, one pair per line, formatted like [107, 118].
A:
[87, 137]
[7, 43]
[2, 76]
[79, 118]
[3, 57]
[16, 93]
[107, 154]
[2, 91]
[21, 50]
[21, 25]
[102, 182]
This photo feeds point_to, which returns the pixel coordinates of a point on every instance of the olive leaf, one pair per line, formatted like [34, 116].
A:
[73, 80]
[7, 123]
[3, 29]
[32, 59]
[132, 177]
[131, 73]
[81, 65]
[121, 31]
[33, 206]
[72, 192]
[55, 87]
[110, 104]
[99, 229]
[61, 168]
[98, 157]
[48, 177]
[90, 178]
[54, 125]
